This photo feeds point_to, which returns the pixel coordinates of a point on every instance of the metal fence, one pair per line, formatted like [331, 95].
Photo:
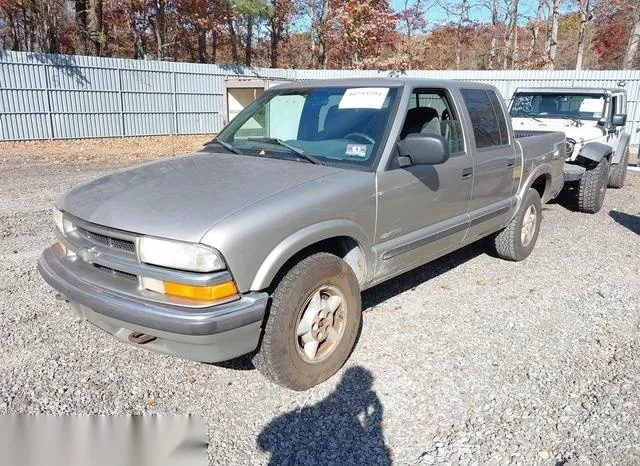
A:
[62, 97]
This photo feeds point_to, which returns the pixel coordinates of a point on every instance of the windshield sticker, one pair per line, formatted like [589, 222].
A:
[591, 106]
[364, 97]
[356, 150]
[523, 103]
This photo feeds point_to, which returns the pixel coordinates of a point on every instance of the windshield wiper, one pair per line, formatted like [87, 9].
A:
[527, 115]
[576, 121]
[297, 150]
[226, 145]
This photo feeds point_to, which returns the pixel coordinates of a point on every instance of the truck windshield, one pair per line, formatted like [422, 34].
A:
[329, 125]
[544, 105]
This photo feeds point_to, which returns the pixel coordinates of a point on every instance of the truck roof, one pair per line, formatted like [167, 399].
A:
[569, 90]
[385, 82]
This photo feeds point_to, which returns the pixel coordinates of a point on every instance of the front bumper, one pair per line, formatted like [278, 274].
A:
[209, 334]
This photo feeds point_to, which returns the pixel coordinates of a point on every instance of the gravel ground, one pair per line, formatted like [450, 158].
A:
[467, 360]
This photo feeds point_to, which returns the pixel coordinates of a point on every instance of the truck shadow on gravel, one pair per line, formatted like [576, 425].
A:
[344, 428]
[631, 222]
[568, 197]
[409, 280]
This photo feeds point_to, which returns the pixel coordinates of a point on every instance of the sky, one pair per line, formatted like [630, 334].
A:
[437, 14]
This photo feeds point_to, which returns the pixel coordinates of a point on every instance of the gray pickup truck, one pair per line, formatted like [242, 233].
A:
[262, 243]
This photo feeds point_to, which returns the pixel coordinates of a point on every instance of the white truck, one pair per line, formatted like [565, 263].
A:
[593, 120]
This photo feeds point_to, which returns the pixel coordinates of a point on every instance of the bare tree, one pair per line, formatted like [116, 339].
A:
[586, 8]
[634, 38]
[233, 39]
[81, 35]
[511, 37]
[158, 24]
[535, 29]
[552, 34]
[96, 27]
[458, 17]
[495, 22]
[320, 15]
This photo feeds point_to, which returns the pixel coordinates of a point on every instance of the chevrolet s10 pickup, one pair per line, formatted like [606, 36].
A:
[262, 243]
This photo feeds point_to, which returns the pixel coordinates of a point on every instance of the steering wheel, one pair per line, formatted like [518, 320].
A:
[361, 135]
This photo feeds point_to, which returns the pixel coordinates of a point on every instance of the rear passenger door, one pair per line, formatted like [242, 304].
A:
[494, 161]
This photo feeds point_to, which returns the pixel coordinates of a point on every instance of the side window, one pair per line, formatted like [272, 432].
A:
[430, 112]
[502, 122]
[486, 128]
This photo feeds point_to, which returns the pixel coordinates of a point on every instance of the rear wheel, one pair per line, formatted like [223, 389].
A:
[593, 187]
[313, 323]
[616, 180]
[517, 240]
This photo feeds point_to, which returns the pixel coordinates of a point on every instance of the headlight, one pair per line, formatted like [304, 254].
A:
[58, 218]
[63, 224]
[178, 255]
[569, 145]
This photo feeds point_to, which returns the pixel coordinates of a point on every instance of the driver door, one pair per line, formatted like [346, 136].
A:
[423, 209]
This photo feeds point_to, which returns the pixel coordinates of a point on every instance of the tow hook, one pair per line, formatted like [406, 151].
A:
[140, 338]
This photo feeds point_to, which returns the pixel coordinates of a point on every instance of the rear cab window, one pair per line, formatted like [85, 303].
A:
[487, 117]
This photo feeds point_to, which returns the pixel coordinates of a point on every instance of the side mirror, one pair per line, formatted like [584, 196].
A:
[423, 149]
[619, 119]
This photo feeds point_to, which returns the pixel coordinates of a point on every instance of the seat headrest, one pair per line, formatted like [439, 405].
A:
[416, 118]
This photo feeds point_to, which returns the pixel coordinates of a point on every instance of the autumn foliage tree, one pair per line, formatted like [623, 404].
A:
[362, 30]
[356, 34]
[614, 34]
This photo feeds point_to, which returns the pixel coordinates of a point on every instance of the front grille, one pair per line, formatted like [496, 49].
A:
[108, 241]
[116, 273]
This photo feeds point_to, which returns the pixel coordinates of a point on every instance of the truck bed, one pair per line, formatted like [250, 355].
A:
[540, 142]
[543, 147]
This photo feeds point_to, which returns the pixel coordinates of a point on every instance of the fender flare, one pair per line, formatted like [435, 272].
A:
[544, 169]
[306, 237]
[594, 151]
[622, 145]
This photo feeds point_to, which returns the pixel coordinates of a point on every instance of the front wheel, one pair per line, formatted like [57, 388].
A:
[593, 187]
[313, 323]
[517, 240]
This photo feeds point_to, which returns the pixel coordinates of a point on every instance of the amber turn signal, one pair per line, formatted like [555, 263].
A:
[202, 293]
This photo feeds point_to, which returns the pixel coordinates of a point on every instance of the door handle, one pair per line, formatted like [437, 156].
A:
[466, 173]
[511, 163]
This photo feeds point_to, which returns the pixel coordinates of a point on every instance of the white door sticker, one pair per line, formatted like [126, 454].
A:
[590, 105]
[364, 97]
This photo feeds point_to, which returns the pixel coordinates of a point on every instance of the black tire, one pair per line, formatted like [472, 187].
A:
[593, 187]
[616, 179]
[509, 242]
[281, 358]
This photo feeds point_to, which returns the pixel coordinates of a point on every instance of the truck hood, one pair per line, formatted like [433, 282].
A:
[584, 133]
[182, 198]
